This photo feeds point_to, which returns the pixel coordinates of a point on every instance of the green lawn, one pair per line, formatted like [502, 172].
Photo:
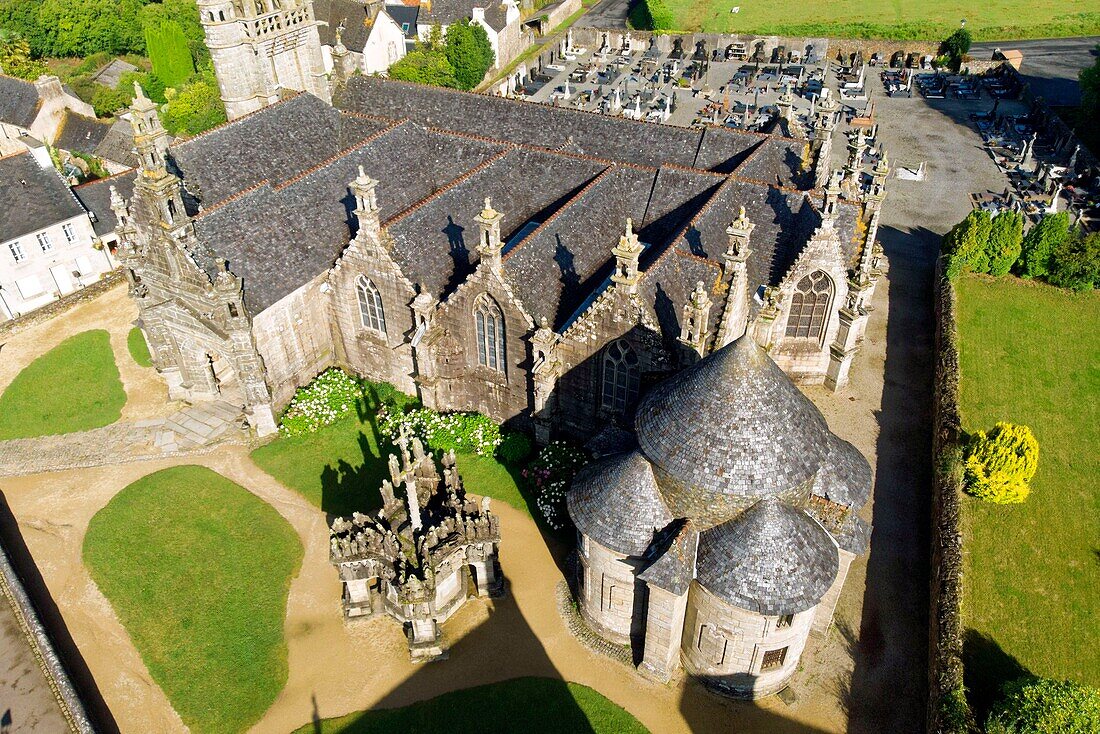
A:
[72, 387]
[1030, 354]
[198, 570]
[527, 705]
[340, 468]
[139, 349]
[931, 19]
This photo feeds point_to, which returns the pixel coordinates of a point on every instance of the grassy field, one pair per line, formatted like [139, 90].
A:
[340, 468]
[528, 705]
[139, 349]
[198, 570]
[1030, 354]
[932, 19]
[73, 387]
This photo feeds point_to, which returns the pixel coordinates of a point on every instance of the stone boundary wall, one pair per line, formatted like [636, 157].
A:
[39, 639]
[948, 712]
[61, 305]
[557, 13]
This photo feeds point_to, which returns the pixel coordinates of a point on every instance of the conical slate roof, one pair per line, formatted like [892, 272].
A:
[773, 559]
[729, 430]
[615, 502]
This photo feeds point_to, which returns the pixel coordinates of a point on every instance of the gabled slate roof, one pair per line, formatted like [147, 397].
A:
[445, 12]
[615, 502]
[81, 134]
[18, 101]
[283, 233]
[32, 198]
[675, 566]
[96, 198]
[778, 162]
[435, 243]
[616, 138]
[274, 144]
[773, 559]
[117, 145]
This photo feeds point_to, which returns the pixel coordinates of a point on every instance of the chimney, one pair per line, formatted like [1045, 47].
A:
[49, 87]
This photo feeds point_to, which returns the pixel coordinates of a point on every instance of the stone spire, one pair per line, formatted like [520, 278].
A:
[626, 254]
[785, 103]
[366, 205]
[823, 123]
[735, 276]
[857, 146]
[118, 206]
[150, 137]
[693, 332]
[489, 244]
[831, 200]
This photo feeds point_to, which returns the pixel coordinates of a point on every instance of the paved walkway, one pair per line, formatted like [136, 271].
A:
[195, 429]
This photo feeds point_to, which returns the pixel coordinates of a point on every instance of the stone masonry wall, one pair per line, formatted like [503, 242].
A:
[724, 645]
[606, 595]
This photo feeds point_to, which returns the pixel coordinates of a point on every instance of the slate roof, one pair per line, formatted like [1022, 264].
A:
[96, 198]
[332, 12]
[729, 430]
[402, 14]
[81, 134]
[445, 12]
[675, 566]
[615, 138]
[773, 559]
[274, 144]
[118, 145]
[31, 197]
[615, 502]
[283, 233]
[18, 101]
[778, 162]
[435, 243]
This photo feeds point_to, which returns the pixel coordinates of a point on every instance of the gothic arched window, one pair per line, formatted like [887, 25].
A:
[620, 377]
[810, 306]
[371, 313]
[489, 322]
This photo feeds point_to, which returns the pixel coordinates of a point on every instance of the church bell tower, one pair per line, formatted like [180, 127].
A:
[261, 48]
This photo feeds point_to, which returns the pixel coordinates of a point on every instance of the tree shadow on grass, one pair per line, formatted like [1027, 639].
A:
[987, 667]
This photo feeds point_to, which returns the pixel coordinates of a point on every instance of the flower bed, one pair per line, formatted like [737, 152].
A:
[551, 473]
[470, 433]
[332, 395]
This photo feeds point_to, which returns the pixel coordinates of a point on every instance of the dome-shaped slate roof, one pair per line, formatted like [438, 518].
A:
[845, 475]
[729, 430]
[773, 559]
[615, 502]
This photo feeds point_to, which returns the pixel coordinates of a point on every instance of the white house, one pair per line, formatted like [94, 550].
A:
[501, 21]
[49, 246]
[373, 35]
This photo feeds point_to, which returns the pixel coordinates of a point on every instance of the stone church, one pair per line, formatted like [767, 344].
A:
[722, 535]
[541, 265]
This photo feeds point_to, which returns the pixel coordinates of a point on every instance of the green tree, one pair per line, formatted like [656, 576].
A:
[468, 50]
[186, 14]
[107, 101]
[169, 53]
[1042, 706]
[196, 107]
[1005, 237]
[1075, 262]
[82, 27]
[965, 245]
[999, 465]
[425, 67]
[1040, 242]
[15, 57]
[151, 83]
[956, 45]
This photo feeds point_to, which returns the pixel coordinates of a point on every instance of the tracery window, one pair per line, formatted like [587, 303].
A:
[620, 376]
[371, 313]
[489, 324]
[810, 306]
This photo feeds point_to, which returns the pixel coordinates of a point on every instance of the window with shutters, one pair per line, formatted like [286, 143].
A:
[70, 233]
[810, 307]
[489, 330]
[371, 313]
[620, 377]
[44, 241]
[17, 252]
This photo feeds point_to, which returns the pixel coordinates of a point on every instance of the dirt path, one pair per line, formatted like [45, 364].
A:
[113, 311]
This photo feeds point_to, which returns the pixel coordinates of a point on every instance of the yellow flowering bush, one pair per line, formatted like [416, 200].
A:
[1001, 463]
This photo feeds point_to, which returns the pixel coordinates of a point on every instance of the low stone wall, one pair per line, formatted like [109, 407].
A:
[557, 13]
[948, 712]
[38, 636]
[61, 305]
